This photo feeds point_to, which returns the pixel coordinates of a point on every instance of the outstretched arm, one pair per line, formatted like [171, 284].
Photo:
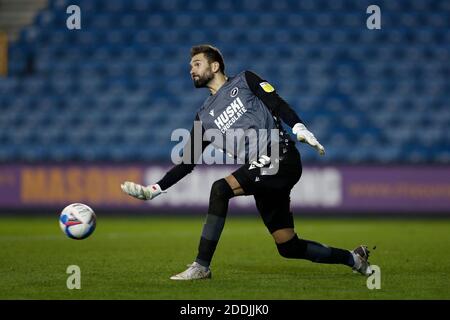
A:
[174, 175]
[181, 170]
[280, 108]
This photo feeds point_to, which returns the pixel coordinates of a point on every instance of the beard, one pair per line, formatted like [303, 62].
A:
[202, 81]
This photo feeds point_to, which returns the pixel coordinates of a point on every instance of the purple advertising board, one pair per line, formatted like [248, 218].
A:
[353, 189]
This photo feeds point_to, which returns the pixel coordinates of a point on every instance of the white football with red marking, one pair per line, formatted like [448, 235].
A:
[77, 221]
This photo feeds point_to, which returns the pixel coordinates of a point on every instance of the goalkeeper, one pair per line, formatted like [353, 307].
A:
[248, 102]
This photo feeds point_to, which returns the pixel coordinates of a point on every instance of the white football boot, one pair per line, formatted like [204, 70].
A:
[194, 271]
[361, 257]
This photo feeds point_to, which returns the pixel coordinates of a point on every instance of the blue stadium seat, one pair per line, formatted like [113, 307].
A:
[363, 93]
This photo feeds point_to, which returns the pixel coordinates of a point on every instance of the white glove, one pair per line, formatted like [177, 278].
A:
[141, 192]
[304, 135]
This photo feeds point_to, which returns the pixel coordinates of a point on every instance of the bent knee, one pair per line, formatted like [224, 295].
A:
[283, 235]
[221, 190]
[294, 248]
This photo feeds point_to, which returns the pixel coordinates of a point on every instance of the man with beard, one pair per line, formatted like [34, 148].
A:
[248, 102]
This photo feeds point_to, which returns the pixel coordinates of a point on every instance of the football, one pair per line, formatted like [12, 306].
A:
[77, 221]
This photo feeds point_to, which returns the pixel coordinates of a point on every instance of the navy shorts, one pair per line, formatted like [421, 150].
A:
[272, 191]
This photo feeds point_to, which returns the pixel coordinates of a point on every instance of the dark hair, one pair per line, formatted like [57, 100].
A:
[211, 53]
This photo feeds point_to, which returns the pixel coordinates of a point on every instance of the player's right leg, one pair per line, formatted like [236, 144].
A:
[221, 192]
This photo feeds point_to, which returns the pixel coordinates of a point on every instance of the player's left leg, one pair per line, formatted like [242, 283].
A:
[296, 248]
[290, 246]
[279, 220]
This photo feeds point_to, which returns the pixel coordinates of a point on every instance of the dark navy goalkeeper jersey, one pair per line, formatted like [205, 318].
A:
[235, 106]
[242, 118]
[244, 105]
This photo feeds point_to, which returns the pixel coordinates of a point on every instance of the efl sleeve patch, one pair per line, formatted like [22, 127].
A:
[267, 87]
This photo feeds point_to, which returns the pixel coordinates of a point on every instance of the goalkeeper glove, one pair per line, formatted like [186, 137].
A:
[304, 135]
[141, 192]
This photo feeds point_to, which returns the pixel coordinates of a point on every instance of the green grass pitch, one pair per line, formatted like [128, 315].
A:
[133, 258]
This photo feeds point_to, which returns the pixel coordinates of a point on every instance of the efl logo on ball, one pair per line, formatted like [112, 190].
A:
[77, 221]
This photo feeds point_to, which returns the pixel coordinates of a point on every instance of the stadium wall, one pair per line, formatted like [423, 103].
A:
[335, 190]
[3, 54]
